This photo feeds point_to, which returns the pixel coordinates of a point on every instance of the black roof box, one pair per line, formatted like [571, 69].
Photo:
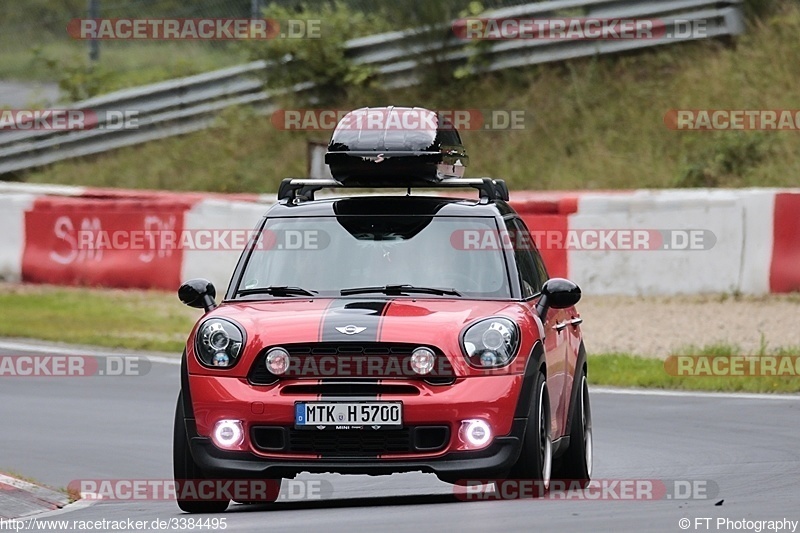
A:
[395, 146]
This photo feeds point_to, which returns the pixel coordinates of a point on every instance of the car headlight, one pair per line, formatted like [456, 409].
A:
[491, 343]
[219, 343]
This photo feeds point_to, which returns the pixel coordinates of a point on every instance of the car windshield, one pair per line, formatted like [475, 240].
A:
[375, 255]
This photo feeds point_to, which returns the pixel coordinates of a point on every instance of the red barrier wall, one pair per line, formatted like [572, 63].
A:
[784, 275]
[69, 242]
[548, 212]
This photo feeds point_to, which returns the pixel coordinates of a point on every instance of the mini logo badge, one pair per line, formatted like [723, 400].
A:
[350, 330]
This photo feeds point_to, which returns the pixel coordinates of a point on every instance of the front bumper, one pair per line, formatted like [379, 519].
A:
[491, 398]
[494, 461]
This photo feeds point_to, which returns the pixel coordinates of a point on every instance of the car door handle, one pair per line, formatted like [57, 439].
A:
[562, 325]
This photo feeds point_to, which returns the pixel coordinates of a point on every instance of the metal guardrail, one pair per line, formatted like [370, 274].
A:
[190, 104]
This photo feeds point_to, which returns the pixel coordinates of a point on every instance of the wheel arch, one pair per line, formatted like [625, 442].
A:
[580, 364]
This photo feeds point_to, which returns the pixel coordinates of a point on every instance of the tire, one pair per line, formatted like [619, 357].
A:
[576, 462]
[185, 469]
[536, 458]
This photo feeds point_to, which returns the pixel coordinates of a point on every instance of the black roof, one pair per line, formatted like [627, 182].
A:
[391, 205]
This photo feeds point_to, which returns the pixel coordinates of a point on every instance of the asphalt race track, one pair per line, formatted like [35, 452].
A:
[56, 430]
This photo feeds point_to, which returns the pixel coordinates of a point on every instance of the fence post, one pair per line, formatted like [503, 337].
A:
[255, 9]
[94, 45]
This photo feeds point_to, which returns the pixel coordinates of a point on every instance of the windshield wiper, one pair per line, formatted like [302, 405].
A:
[398, 290]
[276, 290]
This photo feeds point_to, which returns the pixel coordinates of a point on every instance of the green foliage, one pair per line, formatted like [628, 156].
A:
[123, 65]
[433, 22]
[78, 79]
[732, 157]
[477, 48]
[38, 16]
[320, 60]
[757, 9]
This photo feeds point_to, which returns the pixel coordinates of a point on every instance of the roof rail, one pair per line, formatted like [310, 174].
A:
[302, 189]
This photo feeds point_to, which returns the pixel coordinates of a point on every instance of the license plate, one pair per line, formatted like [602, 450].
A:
[343, 415]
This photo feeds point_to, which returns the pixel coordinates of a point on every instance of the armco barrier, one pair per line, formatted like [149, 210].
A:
[755, 248]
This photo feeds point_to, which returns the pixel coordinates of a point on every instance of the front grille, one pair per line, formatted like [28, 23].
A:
[374, 360]
[349, 389]
[349, 443]
[353, 443]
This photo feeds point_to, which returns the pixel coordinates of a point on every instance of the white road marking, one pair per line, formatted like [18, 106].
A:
[696, 394]
[98, 352]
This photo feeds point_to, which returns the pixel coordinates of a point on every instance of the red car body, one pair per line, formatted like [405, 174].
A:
[227, 394]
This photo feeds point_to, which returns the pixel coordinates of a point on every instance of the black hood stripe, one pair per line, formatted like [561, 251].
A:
[350, 316]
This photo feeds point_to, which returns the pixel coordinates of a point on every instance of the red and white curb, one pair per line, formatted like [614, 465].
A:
[19, 499]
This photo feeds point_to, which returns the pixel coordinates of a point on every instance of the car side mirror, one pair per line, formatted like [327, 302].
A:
[558, 293]
[198, 293]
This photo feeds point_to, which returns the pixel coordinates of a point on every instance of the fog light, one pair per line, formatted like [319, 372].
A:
[228, 434]
[221, 359]
[488, 358]
[422, 361]
[278, 361]
[475, 433]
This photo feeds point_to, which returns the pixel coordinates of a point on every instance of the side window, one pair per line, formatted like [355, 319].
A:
[543, 275]
[541, 270]
[526, 258]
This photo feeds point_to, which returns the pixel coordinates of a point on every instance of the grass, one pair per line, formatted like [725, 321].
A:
[140, 320]
[589, 124]
[625, 370]
[120, 65]
[137, 62]
[154, 320]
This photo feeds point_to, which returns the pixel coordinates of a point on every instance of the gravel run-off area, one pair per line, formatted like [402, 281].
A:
[662, 326]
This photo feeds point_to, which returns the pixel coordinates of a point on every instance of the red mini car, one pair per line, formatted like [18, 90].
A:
[379, 334]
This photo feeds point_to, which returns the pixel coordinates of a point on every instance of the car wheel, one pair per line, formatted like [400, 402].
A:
[536, 458]
[185, 469]
[576, 463]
